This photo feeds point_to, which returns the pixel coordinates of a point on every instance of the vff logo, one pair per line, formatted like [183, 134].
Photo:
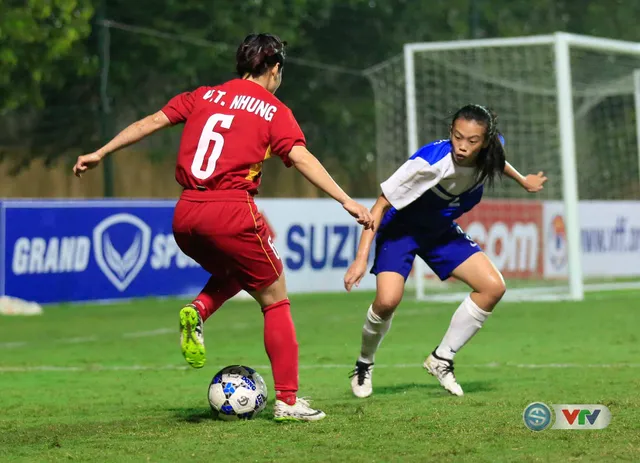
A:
[121, 269]
[557, 242]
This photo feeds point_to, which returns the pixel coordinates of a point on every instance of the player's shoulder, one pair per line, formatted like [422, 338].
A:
[282, 112]
[195, 94]
[203, 89]
[242, 88]
[275, 101]
[247, 87]
[434, 152]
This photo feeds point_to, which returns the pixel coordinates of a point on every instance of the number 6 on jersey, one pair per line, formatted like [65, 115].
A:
[210, 135]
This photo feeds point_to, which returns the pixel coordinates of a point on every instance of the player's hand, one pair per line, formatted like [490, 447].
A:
[533, 182]
[86, 162]
[361, 213]
[354, 274]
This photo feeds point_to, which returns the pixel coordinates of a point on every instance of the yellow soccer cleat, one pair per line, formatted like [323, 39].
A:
[192, 337]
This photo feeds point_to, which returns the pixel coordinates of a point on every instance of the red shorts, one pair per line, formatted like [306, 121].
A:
[224, 232]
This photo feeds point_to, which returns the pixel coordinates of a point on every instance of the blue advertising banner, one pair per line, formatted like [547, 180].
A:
[90, 250]
[55, 250]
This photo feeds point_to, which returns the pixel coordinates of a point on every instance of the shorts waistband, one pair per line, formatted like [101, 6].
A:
[217, 195]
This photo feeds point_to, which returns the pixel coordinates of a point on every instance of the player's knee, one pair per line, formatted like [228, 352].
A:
[385, 305]
[495, 290]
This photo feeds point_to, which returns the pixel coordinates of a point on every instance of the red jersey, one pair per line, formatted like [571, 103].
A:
[230, 130]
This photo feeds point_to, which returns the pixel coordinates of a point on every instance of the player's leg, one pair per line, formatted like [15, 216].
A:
[220, 287]
[259, 269]
[393, 262]
[216, 292]
[280, 340]
[458, 256]
[282, 349]
[389, 292]
[192, 317]
[488, 288]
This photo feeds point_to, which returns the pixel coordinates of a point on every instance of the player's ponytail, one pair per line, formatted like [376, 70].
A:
[258, 53]
[492, 157]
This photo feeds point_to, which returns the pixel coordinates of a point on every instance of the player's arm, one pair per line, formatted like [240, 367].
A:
[378, 211]
[132, 134]
[309, 166]
[407, 184]
[358, 268]
[532, 182]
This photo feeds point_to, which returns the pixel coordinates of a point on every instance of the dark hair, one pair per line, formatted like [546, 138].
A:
[258, 53]
[491, 159]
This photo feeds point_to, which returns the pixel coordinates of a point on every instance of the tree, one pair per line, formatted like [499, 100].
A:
[331, 42]
[38, 39]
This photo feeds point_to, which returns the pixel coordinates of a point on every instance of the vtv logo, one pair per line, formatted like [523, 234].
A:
[581, 416]
[121, 268]
[571, 416]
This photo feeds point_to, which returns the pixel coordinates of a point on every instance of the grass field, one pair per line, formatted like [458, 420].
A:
[108, 383]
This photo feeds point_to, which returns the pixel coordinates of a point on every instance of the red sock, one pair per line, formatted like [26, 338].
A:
[282, 349]
[215, 293]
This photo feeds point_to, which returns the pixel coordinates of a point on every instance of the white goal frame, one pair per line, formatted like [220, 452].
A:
[636, 97]
[562, 43]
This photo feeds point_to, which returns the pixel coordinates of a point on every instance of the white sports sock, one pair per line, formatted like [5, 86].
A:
[465, 323]
[373, 331]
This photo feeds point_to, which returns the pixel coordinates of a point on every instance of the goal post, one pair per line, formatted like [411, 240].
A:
[566, 128]
[567, 105]
[636, 98]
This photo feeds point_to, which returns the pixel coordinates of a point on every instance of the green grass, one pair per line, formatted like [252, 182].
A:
[96, 407]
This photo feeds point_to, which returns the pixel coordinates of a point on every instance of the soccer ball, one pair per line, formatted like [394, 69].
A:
[237, 392]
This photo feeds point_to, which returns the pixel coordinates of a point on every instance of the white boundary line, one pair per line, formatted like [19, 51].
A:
[85, 339]
[80, 340]
[146, 334]
[107, 368]
[12, 345]
[542, 294]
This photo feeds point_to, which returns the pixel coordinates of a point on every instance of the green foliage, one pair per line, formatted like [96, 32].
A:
[49, 56]
[39, 42]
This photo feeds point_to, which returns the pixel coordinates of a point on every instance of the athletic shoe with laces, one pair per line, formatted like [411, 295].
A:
[192, 337]
[361, 384]
[300, 411]
[442, 369]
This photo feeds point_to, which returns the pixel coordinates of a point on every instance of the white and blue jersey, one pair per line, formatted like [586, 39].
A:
[427, 194]
[430, 191]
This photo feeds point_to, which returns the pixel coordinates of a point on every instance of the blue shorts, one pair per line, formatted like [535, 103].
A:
[396, 249]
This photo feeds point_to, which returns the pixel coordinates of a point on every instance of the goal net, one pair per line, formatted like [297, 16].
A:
[567, 105]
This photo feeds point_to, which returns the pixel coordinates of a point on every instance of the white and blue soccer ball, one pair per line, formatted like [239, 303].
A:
[237, 392]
